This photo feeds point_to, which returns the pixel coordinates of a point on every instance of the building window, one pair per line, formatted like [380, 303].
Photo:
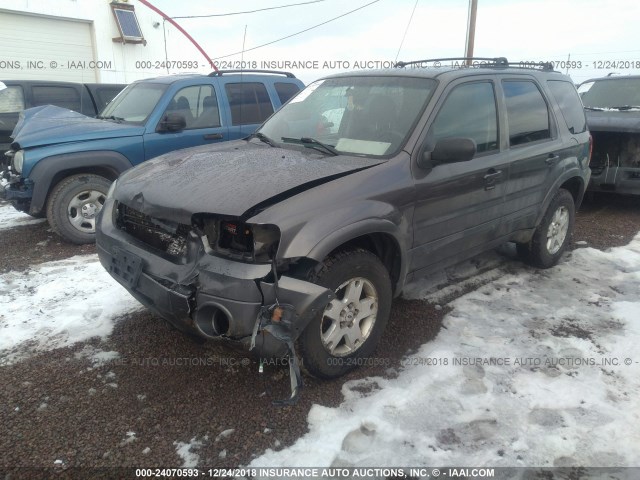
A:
[127, 22]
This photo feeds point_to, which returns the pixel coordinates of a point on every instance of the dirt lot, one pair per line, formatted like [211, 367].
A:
[60, 406]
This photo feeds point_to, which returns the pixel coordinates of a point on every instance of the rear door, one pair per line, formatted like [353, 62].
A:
[249, 104]
[199, 105]
[534, 149]
[459, 205]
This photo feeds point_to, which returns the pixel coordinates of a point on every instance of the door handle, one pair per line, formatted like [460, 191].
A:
[490, 179]
[552, 159]
[213, 136]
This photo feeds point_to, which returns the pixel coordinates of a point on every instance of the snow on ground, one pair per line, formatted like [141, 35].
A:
[186, 451]
[536, 389]
[10, 217]
[58, 303]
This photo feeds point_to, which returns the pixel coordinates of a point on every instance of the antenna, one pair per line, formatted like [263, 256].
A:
[244, 39]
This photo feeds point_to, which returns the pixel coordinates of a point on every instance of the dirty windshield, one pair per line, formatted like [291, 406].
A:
[135, 103]
[352, 115]
[614, 93]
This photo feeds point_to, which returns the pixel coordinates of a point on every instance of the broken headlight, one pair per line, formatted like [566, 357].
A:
[242, 241]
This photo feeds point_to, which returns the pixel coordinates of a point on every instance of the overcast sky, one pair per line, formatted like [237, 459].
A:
[588, 30]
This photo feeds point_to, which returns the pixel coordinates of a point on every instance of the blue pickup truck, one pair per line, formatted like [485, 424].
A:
[61, 163]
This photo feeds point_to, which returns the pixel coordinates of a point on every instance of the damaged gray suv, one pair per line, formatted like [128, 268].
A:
[295, 240]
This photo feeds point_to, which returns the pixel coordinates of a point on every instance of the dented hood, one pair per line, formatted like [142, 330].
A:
[49, 125]
[230, 179]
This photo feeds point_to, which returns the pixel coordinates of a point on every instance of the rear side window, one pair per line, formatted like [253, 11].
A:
[250, 103]
[285, 91]
[11, 100]
[527, 112]
[572, 111]
[469, 111]
[65, 97]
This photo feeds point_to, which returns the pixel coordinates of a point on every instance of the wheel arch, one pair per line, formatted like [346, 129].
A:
[48, 172]
[380, 237]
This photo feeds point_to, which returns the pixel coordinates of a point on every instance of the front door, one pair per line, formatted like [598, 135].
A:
[198, 104]
[459, 205]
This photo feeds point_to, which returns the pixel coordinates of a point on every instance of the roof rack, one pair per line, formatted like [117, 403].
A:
[501, 62]
[219, 73]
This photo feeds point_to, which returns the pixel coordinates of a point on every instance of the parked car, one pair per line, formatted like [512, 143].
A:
[62, 162]
[300, 236]
[18, 95]
[613, 116]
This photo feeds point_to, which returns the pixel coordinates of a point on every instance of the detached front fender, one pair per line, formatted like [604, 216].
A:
[323, 234]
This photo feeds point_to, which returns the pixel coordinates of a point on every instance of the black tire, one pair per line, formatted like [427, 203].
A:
[66, 202]
[347, 267]
[545, 249]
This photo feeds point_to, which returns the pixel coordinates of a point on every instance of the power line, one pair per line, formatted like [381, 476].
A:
[406, 29]
[251, 11]
[298, 33]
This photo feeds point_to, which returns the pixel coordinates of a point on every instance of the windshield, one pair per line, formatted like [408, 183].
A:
[135, 103]
[356, 115]
[611, 93]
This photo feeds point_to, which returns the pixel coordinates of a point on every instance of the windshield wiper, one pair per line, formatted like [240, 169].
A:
[594, 109]
[313, 143]
[263, 138]
[111, 117]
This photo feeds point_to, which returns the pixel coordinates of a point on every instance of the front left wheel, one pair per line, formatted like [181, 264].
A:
[74, 204]
[347, 331]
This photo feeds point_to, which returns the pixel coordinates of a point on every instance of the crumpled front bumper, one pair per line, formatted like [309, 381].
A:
[209, 296]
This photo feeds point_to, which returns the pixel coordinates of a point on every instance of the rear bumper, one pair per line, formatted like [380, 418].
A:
[207, 296]
[625, 180]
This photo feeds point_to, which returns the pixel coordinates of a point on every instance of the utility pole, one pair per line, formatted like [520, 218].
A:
[471, 29]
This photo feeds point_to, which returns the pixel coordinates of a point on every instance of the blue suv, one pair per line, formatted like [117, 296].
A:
[61, 163]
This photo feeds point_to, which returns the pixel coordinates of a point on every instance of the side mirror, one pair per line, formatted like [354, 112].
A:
[448, 150]
[172, 122]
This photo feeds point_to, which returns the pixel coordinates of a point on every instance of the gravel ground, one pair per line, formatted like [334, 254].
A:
[167, 388]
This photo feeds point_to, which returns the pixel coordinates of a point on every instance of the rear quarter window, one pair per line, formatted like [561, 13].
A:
[569, 102]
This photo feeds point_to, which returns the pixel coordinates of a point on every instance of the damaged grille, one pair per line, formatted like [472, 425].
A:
[162, 235]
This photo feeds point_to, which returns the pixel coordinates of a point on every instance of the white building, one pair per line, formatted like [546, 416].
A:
[82, 41]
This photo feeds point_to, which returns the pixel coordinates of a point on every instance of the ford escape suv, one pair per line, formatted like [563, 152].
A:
[294, 240]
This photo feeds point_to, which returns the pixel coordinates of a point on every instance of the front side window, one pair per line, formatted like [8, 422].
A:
[250, 103]
[527, 112]
[469, 111]
[11, 100]
[135, 103]
[198, 105]
[362, 115]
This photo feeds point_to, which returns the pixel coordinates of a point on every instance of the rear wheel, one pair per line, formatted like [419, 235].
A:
[552, 236]
[74, 204]
[350, 326]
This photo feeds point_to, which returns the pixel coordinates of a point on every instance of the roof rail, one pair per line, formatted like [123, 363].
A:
[482, 62]
[219, 73]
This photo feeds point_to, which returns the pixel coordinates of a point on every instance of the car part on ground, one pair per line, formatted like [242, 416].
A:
[363, 182]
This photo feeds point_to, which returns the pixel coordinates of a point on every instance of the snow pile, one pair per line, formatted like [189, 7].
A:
[538, 368]
[186, 451]
[10, 217]
[55, 304]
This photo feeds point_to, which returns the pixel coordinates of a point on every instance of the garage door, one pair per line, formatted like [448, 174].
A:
[40, 48]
